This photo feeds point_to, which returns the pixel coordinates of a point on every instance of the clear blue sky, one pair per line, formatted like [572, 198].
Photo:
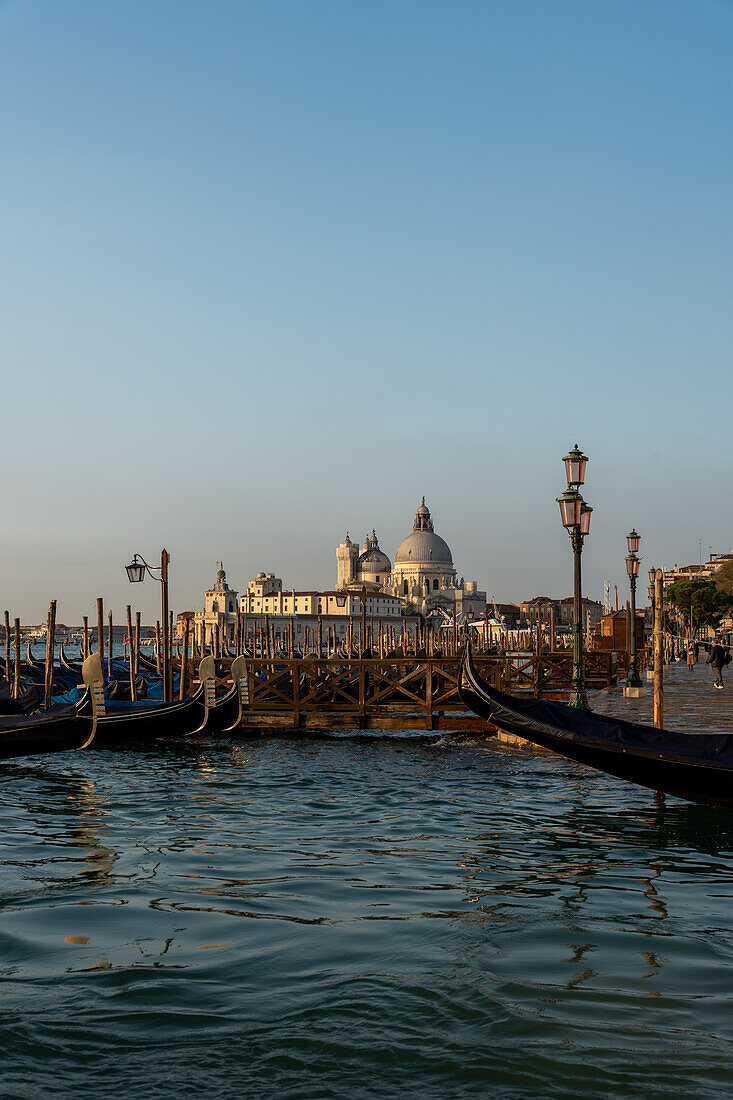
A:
[271, 271]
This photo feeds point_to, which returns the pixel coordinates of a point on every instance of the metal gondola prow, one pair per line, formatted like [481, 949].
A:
[240, 679]
[92, 675]
[207, 679]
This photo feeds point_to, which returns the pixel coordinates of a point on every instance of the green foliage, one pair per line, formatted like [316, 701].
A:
[724, 577]
[703, 603]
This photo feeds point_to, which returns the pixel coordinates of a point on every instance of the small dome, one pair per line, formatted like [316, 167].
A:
[221, 575]
[260, 576]
[372, 559]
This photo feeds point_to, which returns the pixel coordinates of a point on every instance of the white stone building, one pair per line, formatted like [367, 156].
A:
[220, 610]
[265, 601]
[423, 575]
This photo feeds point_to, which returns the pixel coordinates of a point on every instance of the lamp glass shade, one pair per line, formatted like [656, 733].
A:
[575, 463]
[135, 570]
[632, 541]
[570, 505]
[652, 576]
[632, 565]
[585, 514]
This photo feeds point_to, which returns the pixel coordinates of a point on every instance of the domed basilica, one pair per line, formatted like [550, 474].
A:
[423, 574]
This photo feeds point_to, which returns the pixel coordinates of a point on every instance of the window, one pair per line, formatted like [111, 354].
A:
[435, 584]
[405, 589]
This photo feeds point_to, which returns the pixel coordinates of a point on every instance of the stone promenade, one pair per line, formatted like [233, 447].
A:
[691, 703]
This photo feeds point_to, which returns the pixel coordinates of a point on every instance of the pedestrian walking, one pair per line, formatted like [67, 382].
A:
[716, 660]
[690, 657]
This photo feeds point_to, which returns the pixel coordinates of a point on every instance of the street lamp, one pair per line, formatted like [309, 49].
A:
[135, 574]
[575, 516]
[575, 464]
[634, 686]
[652, 594]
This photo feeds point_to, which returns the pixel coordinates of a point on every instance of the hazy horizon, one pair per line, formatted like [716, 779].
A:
[273, 272]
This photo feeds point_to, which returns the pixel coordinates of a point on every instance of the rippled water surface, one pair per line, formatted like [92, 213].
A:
[358, 917]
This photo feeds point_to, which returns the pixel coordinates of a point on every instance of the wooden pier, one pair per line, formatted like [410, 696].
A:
[395, 692]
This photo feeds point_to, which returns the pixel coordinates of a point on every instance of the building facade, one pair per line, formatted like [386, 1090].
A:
[220, 612]
[423, 576]
[530, 610]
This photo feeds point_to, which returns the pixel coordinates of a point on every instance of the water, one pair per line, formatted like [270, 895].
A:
[362, 917]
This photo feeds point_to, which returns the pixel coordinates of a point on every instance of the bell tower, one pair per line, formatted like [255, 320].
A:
[346, 554]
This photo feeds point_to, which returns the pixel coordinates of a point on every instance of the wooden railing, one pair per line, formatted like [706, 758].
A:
[426, 688]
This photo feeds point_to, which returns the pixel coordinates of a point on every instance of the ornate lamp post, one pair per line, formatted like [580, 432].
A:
[575, 515]
[652, 597]
[135, 573]
[634, 685]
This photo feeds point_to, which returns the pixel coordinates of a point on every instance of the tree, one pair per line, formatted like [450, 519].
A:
[724, 577]
[702, 603]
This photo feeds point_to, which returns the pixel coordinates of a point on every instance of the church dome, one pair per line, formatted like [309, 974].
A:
[423, 545]
[373, 560]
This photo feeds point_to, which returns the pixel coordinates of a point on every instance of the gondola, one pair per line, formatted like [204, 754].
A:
[148, 722]
[59, 729]
[26, 701]
[64, 662]
[696, 767]
[145, 664]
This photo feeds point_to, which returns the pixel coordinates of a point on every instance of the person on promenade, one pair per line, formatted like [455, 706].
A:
[690, 657]
[716, 660]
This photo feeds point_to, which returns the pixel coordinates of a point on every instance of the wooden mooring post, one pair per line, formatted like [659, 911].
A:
[50, 640]
[110, 640]
[184, 658]
[7, 646]
[16, 665]
[100, 629]
[85, 637]
[659, 649]
[130, 648]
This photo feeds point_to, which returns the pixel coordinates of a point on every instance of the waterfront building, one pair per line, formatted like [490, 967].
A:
[612, 631]
[265, 596]
[179, 632]
[530, 610]
[423, 576]
[705, 571]
[220, 611]
[370, 566]
[423, 580]
[266, 601]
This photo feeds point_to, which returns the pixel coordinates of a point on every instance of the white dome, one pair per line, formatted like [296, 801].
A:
[423, 545]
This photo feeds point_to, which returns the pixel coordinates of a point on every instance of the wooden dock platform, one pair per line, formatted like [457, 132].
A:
[397, 693]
